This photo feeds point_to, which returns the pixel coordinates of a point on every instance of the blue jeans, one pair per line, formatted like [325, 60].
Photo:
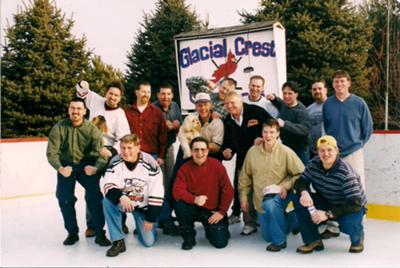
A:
[275, 223]
[187, 214]
[303, 154]
[350, 224]
[65, 194]
[113, 216]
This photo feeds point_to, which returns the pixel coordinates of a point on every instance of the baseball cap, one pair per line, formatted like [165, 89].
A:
[327, 139]
[202, 96]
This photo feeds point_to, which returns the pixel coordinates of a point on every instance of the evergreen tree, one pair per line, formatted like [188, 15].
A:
[321, 36]
[101, 75]
[375, 11]
[41, 64]
[152, 56]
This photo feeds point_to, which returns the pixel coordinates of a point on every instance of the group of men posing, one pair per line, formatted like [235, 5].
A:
[133, 151]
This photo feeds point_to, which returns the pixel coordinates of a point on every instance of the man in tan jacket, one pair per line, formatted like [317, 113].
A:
[270, 170]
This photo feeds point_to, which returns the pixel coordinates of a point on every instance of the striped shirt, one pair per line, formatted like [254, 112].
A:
[340, 186]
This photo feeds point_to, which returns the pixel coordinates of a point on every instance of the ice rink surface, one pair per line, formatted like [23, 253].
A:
[32, 233]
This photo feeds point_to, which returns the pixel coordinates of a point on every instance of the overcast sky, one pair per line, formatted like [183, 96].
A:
[110, 26]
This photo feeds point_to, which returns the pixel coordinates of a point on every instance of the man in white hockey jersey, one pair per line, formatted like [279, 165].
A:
[132, 183]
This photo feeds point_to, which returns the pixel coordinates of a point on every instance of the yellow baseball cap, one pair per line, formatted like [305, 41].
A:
[329, 140]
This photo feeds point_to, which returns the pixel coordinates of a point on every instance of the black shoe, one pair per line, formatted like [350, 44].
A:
[276, 248]
[135, 232]
[171, 230]
[125, 229]
[188, 244]
[116, 248]
[296, 230]
[71, 239]
[328, 234]
[102, 240]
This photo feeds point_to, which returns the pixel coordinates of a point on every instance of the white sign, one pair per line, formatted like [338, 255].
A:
[227, 52]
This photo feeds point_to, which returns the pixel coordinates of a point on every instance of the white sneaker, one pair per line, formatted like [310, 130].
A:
[248, 230]
[233, 219]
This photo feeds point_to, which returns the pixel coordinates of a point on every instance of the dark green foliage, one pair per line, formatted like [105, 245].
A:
[321, 36]
[375, 12]
[152, 57]
[41, 64]
[101, 75]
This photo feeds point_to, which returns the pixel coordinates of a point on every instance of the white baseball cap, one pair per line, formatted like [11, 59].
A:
[202, 96]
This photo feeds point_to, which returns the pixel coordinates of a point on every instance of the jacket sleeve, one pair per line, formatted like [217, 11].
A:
[366, 124]
[245, 183]
[156, 194]
[226, 192]
[303, 183]
[278, 102]
[97, 143]
[122, 129]
[53, 147]
[163, 135]
[180, 189]
[302, 125]
[295, 168]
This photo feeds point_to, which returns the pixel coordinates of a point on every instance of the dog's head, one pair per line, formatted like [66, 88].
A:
[192, 123]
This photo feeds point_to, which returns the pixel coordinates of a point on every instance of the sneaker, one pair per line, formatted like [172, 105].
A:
[125, 229]
[233, 219]
[276, 248]
[188, 244]
[90, 232]
[296, 230]
[116, 248]
[102, 240]
[310, 247]
[328, 234]
[248, 230]
[71, 239]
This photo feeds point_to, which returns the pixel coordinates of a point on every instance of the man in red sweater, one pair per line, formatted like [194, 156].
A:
[148, 123]
[203, 193]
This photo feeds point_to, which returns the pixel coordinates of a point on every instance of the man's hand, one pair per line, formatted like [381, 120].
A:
[227, 153]
[90, 170]
[160, 161]
[270, 97]
[126, 204]
[282, 192]
[215, 217]
[65, 171]
[169, 124]
[105, 153]
[306, 200]
[244, 206]
[258, 141]
[200, 200]
[176, 124]
[281, 122]
[319, 216]
[147, 226]
[216, 115]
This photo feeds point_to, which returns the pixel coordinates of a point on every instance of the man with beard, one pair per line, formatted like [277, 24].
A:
[73, 150]
[319, 92]
[148, 123]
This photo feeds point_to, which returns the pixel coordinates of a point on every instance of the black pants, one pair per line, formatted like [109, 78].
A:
[66, 198]
[187, 214]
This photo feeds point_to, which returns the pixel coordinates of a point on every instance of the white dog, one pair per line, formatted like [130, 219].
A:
[190, 129]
